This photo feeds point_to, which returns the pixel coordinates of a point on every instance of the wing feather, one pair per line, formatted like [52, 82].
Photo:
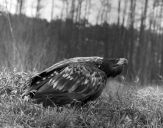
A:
[56, 68]
[75, 82]
[73, 60]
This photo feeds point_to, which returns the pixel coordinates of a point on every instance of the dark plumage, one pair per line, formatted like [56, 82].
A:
[79, 79]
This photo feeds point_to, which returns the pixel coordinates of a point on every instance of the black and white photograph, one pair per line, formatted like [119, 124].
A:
[81, 63]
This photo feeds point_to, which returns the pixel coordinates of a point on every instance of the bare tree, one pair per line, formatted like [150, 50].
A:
[119, 11]
[131, 44]
[142, 46]
[20, 6]
[124, 12]
[38, 8]
[132, 13]
[87, 9]
[72, 9]
[78, 10]
[103, 14]
[52, 10]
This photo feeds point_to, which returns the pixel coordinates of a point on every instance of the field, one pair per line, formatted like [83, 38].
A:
[122, 105]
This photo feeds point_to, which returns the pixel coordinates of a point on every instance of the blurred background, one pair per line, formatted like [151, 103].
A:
[34, 34]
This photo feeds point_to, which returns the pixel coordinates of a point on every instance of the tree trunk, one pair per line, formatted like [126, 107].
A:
[52, 10]
[143, 44]
[38, 8]
[119, 10]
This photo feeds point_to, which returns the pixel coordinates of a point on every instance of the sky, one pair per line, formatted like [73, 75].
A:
[30, 8]
[10, 5]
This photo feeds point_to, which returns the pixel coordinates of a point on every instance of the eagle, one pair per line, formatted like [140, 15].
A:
[74, 80]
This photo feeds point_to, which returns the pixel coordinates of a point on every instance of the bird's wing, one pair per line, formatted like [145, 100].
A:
[79, 79]
[73, 60]
[56, 68]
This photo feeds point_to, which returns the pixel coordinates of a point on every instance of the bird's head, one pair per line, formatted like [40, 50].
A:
[113, 67]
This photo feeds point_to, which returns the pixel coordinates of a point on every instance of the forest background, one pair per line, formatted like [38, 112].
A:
[122, 28]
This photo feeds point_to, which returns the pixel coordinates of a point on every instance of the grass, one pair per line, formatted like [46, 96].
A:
[121, 105]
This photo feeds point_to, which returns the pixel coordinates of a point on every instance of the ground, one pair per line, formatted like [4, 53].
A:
[122, 105]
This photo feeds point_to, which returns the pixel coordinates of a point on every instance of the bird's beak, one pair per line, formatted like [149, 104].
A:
[122, 61]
